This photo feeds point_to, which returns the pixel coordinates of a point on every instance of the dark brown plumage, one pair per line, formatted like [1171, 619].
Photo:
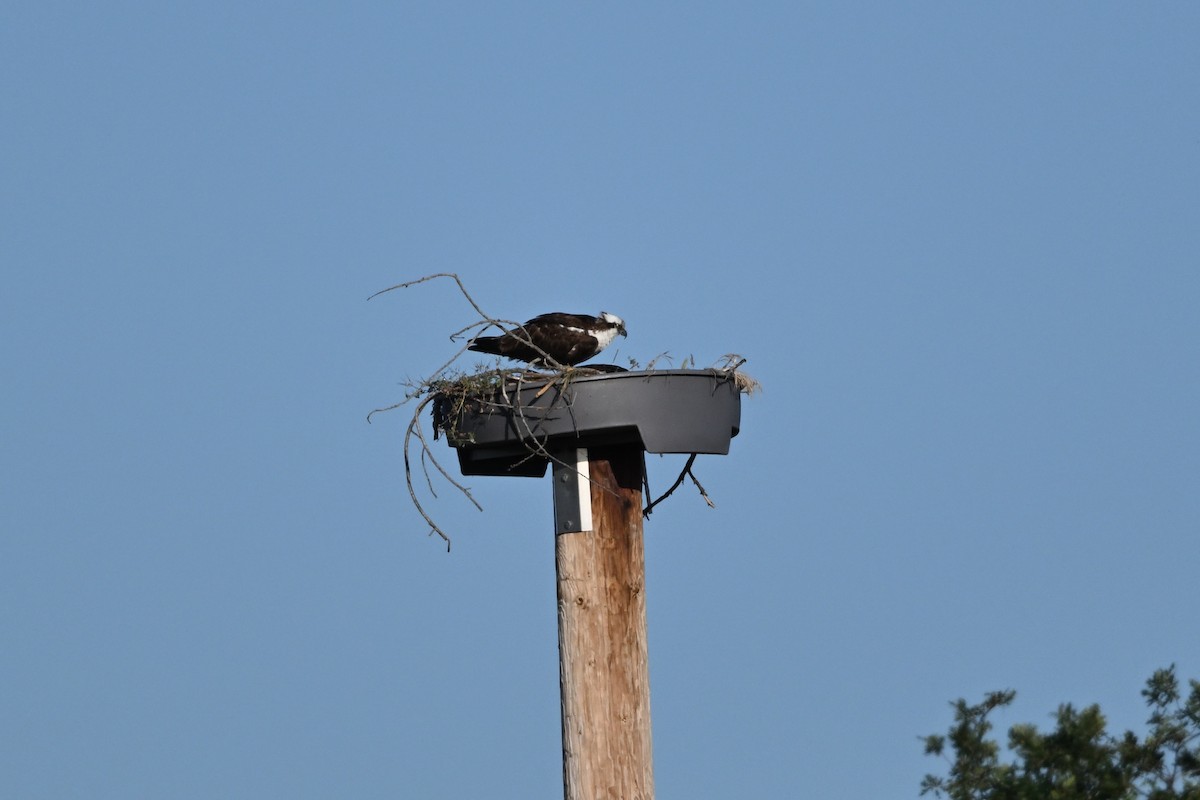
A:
[567, 338]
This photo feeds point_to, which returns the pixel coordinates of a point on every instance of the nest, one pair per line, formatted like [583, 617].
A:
[450, 394]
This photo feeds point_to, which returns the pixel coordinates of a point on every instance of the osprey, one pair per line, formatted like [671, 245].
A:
[567, 338]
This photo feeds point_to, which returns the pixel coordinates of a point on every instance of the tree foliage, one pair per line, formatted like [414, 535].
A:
[1077, 760]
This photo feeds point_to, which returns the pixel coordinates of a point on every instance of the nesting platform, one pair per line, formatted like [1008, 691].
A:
[662, 411]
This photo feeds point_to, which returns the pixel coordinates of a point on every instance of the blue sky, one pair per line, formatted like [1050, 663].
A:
[957, 243]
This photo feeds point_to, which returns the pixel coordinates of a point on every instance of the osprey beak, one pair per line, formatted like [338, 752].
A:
[621, 330]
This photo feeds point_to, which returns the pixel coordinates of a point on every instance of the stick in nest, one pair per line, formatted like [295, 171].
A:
[685, 473]
[428, 389]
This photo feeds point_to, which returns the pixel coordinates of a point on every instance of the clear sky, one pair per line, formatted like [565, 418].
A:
[957, 242]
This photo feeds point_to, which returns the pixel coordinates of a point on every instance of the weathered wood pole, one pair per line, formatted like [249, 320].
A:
[603, 659]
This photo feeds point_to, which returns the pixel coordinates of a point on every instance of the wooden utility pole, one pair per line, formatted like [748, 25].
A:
[603, 659]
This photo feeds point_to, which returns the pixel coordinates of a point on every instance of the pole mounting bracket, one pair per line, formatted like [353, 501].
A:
[572, 491]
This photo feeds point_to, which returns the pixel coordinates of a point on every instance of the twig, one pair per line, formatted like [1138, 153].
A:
[457, 280]
[425, 449]
[487, 319]
[650, 366]
[412, 493]
[687, 468]
[537, 447]
[428, 477]
[696, 481]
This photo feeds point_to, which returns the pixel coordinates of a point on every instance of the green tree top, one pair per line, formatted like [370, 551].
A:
[1079, 759]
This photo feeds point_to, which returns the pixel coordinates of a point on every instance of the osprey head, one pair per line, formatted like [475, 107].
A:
[613, 319]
